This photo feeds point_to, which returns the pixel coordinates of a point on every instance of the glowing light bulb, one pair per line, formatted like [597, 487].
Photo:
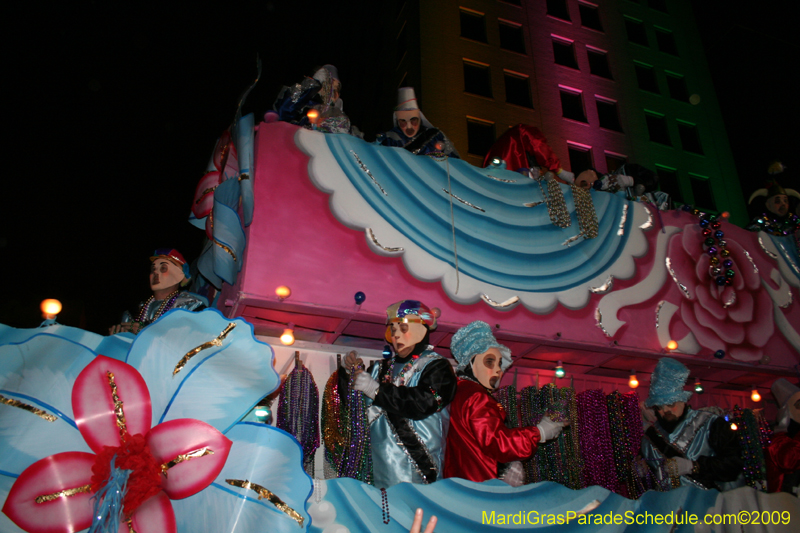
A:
[755, 396]
[672, 345]
[725, 214]
[734, 427]
[50, 307]
[283, 292]
[312, 115]
[260, 411]
[560, 373]
[698, 387]
[288, 335]
[633, 382]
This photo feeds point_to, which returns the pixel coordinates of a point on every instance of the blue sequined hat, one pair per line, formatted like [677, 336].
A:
[666, 383]
[473, 339]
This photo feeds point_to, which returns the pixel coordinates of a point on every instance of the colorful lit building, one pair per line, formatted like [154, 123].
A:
[622, 80]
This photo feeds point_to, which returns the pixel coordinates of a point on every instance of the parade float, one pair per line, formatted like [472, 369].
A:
[310, 237]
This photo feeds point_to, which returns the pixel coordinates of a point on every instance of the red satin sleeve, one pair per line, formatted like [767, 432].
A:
[478, 438]
[782, 457]
[515, 144]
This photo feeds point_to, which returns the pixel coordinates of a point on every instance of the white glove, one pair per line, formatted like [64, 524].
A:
[515, 474]
[566, 175]
[624, 181]
[366, 384]
[548, 429]
[352, 359]
[684, 466]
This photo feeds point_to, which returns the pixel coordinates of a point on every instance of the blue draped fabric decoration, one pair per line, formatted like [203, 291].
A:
[502, 243]
[242, 133]
[787, 248]
[462, 505]
[222, 259]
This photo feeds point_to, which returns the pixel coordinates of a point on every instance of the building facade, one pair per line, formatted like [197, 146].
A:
[608, 83]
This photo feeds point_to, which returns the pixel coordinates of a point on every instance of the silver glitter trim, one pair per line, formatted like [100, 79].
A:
[374, 240]
[658, 311]
[405, 450]
[500, 179]
[769, 253]
[605, 287]
[571, 240]
[533, 204]
[649, 223]
[789, 301]
[507, 303]
[463, 201]
[622, 220]
[731, 301]
[680, 285]
[365, 169]
[747, 254]
[599, 317]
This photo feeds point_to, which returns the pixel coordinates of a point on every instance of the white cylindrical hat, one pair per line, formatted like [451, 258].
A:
[406, 99]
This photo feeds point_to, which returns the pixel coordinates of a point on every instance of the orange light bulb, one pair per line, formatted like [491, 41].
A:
[283, 292]
[672, 345]
[755, 396]
[288, 337]
[312, 115]
[50, 307]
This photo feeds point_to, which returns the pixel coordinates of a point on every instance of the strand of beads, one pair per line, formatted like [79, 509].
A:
[528, 417]
[335, 421]
[507, 397]
[357, 463]
[755, 472]
[620, 443]
[720, 270]
[633, 427]
[572, 437]
[776, 227]
[598, 456]
[298, 412]
[385, 506]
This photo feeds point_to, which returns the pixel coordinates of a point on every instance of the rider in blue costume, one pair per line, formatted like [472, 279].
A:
[413, 131]
[684, 446]
[409, 393]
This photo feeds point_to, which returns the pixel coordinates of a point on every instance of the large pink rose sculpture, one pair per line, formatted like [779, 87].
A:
[736, 318]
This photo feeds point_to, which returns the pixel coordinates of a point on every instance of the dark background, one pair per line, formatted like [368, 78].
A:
[111, 113]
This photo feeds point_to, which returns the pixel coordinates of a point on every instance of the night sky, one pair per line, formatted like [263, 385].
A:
[112, 111]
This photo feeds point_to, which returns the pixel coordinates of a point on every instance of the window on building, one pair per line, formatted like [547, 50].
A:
[668, 182]
[511, 37]
[598, 63]
[572, 105]
[646, 77]
[480, 136]
[518, 89]
[477, 79]
[658, 5]
[580, 157]
[677, 87]
[636, 32]
[657, 128]
[558, 9]
[564, 53]
[614, 161]
[703, 195]
[473, 25]
[690, 139]
[590, 16]
[666, 41]
[608, 114]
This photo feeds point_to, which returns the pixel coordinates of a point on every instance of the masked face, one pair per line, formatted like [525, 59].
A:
[409, 122]
[586, 179]
[165, 274]
[406, 335]
[671, 412]
[778, 204]
[487, 368]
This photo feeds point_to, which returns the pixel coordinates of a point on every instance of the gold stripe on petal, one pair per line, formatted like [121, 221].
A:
[130, 525]
[194, 351]
[264, 493]
[118, 410]
[194, 454]
[227, 249]
[31, 409]
[66, 493]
